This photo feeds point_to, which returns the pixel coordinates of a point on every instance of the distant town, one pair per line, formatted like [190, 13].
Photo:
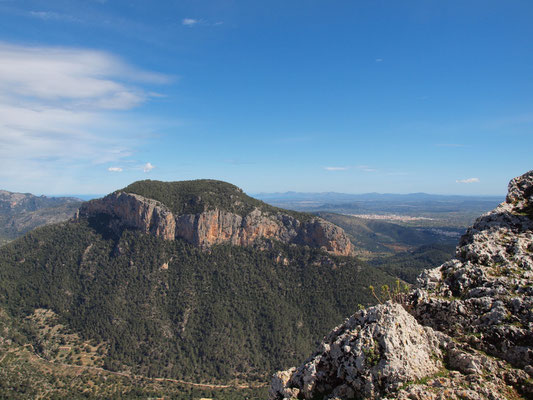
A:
[391, 217]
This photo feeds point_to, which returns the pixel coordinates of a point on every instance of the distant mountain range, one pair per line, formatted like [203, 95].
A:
[335, 197]
[22, 212]
[429, 209]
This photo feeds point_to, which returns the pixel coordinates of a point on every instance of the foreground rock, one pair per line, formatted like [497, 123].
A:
[468, 333]
[373, 352]
[214, 225]
[485, 295]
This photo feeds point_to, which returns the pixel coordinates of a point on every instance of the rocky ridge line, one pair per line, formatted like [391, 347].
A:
[123, 210]
[464, 333]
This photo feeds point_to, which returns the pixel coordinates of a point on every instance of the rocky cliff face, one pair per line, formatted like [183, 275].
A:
[465, 332]
[122, 210]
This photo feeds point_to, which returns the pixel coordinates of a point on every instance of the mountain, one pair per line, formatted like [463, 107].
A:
[189, 280]
[465, 331]
[339, 198]
[206, 213]
[22, 212]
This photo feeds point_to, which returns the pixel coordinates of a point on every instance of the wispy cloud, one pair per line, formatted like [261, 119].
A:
[189, 21]
[148, 167]
[115, 169]
[469, 180]
[51, 15]
[336, 168]
[72, 78]
[57, 110]
[379, 60]
[366, 168]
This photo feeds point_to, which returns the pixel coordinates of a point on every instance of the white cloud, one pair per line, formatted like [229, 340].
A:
[469, 180]
[84, 78]
[56, 112]
[50, 15]
[189, 21]
[366, 168]
[336, 168]
[114, 169]
[148, 167]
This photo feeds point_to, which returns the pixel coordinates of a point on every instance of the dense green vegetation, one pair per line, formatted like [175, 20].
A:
[143, 307]
[408, 265]
[192, 197]
[166, 308]
[25, 374]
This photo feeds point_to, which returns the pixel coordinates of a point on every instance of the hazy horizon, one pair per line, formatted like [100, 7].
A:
[90, 196]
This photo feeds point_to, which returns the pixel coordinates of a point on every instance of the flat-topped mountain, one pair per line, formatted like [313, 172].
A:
[22, 212]
[465, 331]
[209, 212]
[191, 280]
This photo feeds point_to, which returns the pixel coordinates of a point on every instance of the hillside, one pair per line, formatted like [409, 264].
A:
[465, 332]
[22, 212]
[164, 306]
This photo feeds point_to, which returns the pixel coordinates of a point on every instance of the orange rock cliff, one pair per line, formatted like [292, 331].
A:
[122, 210]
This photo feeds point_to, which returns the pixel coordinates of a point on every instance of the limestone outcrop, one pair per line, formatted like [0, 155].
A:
[121, 210]
[374, 351]
[465, 331]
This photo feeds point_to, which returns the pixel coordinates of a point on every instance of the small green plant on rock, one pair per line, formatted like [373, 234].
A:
[372, 355]
[398, 294]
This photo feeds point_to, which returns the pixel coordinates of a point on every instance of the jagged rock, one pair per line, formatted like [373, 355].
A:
[473, 314]
[122, 210]
[373, 353]
[486, 291]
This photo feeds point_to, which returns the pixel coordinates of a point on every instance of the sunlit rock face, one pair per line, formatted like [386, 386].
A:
[465, 331]
[121, 210]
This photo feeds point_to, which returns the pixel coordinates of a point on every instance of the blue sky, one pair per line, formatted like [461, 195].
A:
[348, 96]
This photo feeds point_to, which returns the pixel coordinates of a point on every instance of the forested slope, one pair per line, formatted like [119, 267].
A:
[167, 308]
